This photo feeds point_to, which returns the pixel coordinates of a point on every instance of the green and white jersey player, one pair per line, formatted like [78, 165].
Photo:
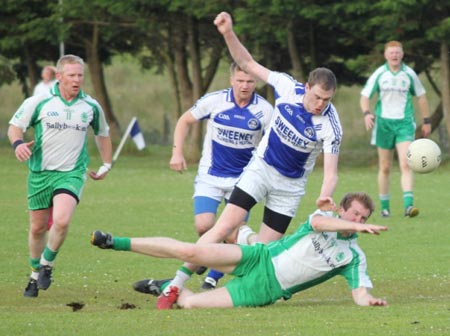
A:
[324, 246]
[393, 124]
[57, 159]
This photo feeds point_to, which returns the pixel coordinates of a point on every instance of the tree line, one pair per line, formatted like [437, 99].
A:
[178, 37]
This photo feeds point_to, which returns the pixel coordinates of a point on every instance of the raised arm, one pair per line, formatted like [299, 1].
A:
[362, 297]
[240, 54]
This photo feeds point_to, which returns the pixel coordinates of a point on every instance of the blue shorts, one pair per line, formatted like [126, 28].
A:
[203, 204]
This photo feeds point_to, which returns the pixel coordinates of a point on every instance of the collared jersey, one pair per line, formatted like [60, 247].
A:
[60, 129]
[296, 137]
[395, 90]
[307, 258]
[232, 132]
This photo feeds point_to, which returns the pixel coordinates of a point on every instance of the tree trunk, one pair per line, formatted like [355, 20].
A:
[187, 89]
[191, 150]
[297, 68]
[196, 138]
[33, 73]
[445, 71]
[98, 81]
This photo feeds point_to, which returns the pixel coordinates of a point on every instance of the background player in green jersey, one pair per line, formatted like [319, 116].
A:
[57, 159]
[393, 122]
[324, 246]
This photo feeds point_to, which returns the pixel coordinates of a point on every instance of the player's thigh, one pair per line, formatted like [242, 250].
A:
[385, 134]
[405, 131]
[285, 195]
[205, 210]
[39, 190]
[64, 205]
[216, 298]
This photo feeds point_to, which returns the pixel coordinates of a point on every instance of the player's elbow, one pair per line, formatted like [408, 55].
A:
[317, 223]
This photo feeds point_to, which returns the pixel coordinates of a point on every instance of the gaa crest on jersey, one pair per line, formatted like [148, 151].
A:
[84, 117]
[340, 256]
[309, 132]
[253, 123]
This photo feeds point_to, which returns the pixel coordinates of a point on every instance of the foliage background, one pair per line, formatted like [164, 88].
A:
[141, 93]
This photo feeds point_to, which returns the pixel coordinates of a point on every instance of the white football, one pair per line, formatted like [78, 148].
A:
[423, 156]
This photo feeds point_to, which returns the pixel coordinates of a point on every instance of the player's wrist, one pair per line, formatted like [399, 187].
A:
[366, 113]
[17, 143]
[104, 168]
[426, 121]
[107, 165]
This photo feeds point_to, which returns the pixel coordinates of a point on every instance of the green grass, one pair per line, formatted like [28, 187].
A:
[141, 197]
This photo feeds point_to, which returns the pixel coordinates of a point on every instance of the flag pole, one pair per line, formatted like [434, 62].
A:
[122, 141]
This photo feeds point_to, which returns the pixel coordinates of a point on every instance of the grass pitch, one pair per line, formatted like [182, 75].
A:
[409, 264]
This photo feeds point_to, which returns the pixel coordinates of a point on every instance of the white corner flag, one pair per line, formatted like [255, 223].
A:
[135, 133]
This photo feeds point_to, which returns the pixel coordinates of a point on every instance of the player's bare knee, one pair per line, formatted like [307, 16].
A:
[38, 229]
[202, 228]
[189, 252]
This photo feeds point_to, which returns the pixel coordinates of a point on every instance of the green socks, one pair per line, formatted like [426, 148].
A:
[408, 199]
[121, 244]
[49, 255]
[34, 263]
[384, 202]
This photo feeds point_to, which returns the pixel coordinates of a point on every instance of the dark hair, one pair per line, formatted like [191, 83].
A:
[361, 197]
[323, 77]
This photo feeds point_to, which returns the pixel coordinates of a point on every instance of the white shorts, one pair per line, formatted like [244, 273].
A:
[283, 194]
[214, 187]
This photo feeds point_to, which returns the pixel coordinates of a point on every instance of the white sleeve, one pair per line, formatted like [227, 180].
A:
[22, 117]
[283, 83]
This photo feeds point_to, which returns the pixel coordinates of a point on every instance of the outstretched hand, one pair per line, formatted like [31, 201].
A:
[371, 228]
[374, 302]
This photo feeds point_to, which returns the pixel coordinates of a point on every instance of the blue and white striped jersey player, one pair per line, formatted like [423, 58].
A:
[236, 118]
[57, 159]
[305, 124]
[323, 247]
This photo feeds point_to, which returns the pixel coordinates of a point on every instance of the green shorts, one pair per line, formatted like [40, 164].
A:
[42, 186]
[255, 283]
[389, 132]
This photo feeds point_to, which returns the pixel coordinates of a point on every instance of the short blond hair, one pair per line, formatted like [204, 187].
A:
[68, 59]
[392, 44]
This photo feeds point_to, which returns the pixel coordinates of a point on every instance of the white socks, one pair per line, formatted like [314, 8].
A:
[178, 281]
[244, 233]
